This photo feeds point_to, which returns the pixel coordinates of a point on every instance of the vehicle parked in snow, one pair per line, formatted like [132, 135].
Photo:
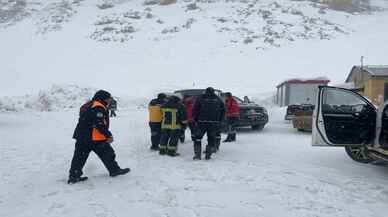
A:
[290, 113]
[251, 114]
[303, 118]
[344, 118]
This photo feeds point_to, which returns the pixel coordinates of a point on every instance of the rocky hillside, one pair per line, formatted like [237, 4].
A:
[137, 48]
[260, 23]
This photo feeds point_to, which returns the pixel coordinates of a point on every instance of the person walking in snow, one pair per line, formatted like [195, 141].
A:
[232, 115]
[155, 120]
[92, 134]
[208, 112]
[112, 108]
[173, 121]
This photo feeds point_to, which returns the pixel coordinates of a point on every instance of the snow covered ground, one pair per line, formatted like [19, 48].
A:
[270, 173]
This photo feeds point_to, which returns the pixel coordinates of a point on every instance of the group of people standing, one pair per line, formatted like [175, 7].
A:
[169, 116]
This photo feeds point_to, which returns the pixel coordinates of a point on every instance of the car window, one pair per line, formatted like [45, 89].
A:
[238, 99]
[341, 101]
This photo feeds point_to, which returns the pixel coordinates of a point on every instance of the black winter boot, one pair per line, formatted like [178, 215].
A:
[73, 180]
[197, 151]
[162, 151]
[154, 148]
[120, 172]
[233, 137]
[172, 153]
[228, 138]
[209, 151]
[182, 138]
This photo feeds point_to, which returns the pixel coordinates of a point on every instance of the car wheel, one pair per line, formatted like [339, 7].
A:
[358, 154]
[257, 127]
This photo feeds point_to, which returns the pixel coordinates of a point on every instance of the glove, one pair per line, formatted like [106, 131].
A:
[110, 140]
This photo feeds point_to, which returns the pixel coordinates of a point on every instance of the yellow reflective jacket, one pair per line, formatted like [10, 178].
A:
[154, 111]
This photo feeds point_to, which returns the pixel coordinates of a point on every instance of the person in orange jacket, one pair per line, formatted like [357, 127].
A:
[92, 134]
[232, 115]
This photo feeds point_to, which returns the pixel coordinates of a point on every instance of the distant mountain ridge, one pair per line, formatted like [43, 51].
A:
[262, 24]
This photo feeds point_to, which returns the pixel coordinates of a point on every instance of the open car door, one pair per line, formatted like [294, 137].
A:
[382, 127]
[343, 118]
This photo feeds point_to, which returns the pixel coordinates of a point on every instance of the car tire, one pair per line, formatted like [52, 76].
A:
[257, 127]
[358, 154]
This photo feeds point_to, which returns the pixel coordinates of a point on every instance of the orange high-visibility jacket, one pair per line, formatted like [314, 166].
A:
[98, 136]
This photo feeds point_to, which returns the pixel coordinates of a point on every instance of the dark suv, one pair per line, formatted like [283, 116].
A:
[251, 114]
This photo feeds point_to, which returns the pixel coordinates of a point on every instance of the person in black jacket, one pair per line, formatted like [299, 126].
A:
[174, 120]
[112, 108]
[208, 112]
[92, 134]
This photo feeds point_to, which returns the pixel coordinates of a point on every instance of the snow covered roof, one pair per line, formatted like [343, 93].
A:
[373, 70]
[347, 85]
[377, 70]
[317, 80]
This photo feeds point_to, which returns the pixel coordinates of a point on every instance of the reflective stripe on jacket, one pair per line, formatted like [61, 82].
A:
[170, 119]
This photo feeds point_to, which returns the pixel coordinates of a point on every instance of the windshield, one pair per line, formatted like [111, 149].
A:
[238, 99]
[195, 92]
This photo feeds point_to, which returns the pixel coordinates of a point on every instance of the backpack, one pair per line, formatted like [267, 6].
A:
[82, 129]
[84, 108]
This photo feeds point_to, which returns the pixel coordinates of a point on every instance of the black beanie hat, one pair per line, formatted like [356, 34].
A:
[102, 95]
[162, 96]
[228, 94]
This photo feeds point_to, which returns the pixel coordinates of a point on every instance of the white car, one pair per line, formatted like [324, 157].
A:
[343, 118]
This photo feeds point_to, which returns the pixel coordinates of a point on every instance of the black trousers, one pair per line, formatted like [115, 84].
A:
[211, 130]
[232, 125]
[156, 132]
[169, 140]
[113, 113]
[192, 128]
[81, 153]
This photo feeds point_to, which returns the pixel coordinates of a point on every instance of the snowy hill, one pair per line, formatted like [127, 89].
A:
[137, 48]
[53, 99]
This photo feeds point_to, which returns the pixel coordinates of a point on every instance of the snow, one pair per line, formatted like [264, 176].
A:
[57, 97]
[197, 56]
[55, 54]
[270, 173]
